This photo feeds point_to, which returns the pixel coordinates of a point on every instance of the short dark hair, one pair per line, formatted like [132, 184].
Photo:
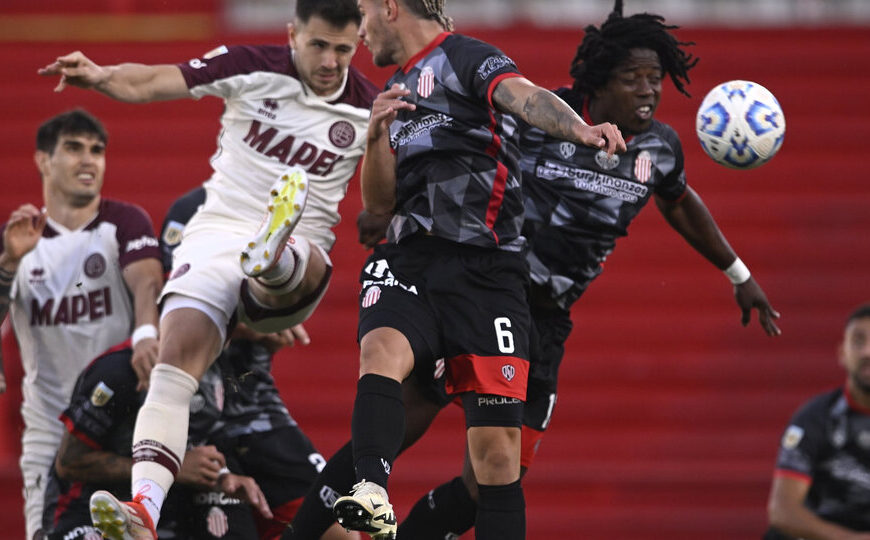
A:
[74, 122]
[860, 312]
[338, 13]
[603, 49]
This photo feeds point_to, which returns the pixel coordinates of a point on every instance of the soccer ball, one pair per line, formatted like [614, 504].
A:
[740, 124]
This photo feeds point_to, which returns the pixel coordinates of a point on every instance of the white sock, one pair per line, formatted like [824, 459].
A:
[153, 497]
[288, 272]
[160, 436]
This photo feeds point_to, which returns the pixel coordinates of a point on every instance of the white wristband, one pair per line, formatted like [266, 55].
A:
[737, 272]
[146, 331]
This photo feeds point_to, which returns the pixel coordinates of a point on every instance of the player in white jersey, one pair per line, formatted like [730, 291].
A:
[301, 108]
[77, 277]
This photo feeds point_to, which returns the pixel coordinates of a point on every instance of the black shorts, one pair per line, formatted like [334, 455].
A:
[464, 304]
[550, 329]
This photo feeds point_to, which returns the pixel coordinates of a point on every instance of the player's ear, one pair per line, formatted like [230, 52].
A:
[391, 8]
[291, 34]
[41, 159]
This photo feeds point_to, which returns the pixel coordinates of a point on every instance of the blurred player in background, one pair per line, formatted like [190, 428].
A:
[297, 113]
[255, 426]
[95, 454]
[80, 275]
[821, 486]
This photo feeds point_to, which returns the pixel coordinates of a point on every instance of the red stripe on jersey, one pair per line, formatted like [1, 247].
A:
[531, 439]
[793, 474]
[64, 500]
[425, 51]
[486, 375]
[496, 197]
[78, 434]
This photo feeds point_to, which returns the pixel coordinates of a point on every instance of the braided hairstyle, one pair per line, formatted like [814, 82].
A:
[605, 48]
[431, 9]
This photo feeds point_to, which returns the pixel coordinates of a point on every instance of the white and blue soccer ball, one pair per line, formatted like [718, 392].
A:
[740, 124]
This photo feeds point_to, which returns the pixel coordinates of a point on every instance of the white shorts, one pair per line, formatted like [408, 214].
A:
[206, 267]
[39, 445]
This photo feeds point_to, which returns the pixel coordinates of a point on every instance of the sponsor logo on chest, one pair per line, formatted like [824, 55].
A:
[87, 306]
[288, 150]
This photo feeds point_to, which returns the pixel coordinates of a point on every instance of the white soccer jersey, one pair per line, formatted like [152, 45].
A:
[271, 121]
[69, 302]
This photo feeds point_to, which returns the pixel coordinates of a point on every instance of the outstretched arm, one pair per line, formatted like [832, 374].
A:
[690, 217]
[132, 83]
[545, 110]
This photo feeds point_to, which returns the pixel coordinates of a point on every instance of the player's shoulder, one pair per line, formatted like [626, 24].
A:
[359, 91]
[824, 405]
[228, 61]
[667, 134]
[113, 369]
[117, 211]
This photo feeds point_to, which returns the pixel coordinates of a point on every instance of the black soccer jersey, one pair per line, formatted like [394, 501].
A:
[102, 413]
[578, 200]
[828, 443]
[457, 170]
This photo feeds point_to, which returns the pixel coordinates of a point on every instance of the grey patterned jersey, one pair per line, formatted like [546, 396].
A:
[579, 201]
[456, 156]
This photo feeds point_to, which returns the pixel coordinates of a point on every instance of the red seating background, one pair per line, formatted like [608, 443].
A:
[669, 412]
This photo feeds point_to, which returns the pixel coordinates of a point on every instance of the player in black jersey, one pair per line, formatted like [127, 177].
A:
[579, 201]
[95, 454]
[821, 485]
[442, 157]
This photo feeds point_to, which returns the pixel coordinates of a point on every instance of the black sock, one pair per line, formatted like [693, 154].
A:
[377, 426]
[446, 509]
[315, 514]
[501, 512]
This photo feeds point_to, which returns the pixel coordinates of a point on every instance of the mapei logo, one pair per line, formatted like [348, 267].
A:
[509, 372]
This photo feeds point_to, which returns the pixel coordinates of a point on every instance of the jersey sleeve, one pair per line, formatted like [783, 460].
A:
[674, 184]
[217, 72]
[104, 396]
[803, 441]
[135, 235]
[482, 66]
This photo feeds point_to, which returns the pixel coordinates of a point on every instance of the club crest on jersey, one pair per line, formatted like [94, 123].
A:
[372, 296]
[172, 233]
[95, 265]
[643, 166]
[426, 82]
[606, 162]
[217, 523]
[92, 535]
[342, 134]
[567, 149]
[101, 394]
[792, 437]
[509, 372]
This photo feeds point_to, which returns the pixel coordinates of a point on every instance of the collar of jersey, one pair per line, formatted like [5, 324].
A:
[425, 51]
